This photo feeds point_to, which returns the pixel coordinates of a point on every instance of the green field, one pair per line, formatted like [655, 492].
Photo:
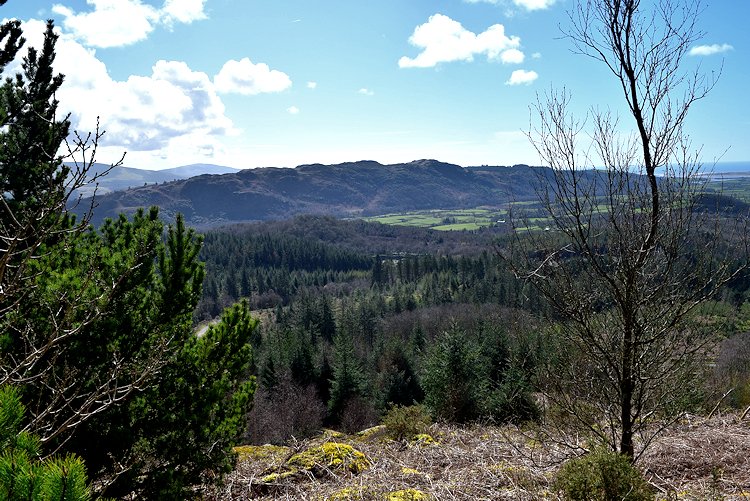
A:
[446, 220]
[738, 187]
[528, 212]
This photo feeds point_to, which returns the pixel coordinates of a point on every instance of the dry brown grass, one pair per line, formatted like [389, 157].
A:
[696, 458]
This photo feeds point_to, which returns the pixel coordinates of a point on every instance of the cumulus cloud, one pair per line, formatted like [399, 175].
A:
[183, 11]
[366, 92]
[710, 50]
[312, 85]
[115, 23]
[173, 110]
[529, 5]
[174, 104]
[146, 112]
[292, 110]
[512, 56]
[522, 77]
[444, 40]
[112, 23]
[245, 77]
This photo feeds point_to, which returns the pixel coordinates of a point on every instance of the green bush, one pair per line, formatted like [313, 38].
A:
[405, 422]
[602, 476]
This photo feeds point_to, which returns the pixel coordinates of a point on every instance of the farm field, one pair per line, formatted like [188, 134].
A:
[528, 215]
[447, 219]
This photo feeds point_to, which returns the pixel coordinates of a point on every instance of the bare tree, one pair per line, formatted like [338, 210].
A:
[632, 252]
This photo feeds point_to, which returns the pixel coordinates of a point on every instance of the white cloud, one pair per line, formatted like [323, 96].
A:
[147, 112]
[172, 112]
[444, 40]
[112, 23]
[183, 11]
[312, 85]
[709, 50]
[366, 92]
[174, 105]
[512, 56]
[529, 5]
[536, 55]
[292, 110]
[115, 23]
[534, 4]
[522, 77]
[245, 77]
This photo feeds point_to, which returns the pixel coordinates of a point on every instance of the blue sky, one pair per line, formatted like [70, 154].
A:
[251, 83]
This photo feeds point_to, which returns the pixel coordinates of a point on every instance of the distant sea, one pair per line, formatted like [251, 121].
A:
[730, 167]
[724, 170]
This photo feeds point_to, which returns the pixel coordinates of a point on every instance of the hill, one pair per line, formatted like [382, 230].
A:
[342, 190]
[122, 178]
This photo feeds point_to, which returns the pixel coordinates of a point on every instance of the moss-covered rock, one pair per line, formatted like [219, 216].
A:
[373, 433]
[330, 455]
[319, 461]
[272, 452]
[275, 478]
[332, 434]
[408, 495]
[423, 439]
[351, 494]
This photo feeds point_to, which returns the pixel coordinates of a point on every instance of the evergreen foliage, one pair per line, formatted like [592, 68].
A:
[405, 422]
[452, 378]
[25, 477]
[122, 316]
[180, 431]
[348, 377]
[32, 171]
[469, 376]
[96, 324]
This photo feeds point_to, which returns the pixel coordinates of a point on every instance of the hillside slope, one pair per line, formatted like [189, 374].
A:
[697, 458]
[348, 189]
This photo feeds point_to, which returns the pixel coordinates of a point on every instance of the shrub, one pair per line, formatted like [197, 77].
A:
[406, 422]
[602, 476]
[732, 370]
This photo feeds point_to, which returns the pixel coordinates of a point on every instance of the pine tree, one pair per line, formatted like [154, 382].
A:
[23, 476]
[453, 381]
[348, 377]
[180, 431]
[327, 322]
[30, 168]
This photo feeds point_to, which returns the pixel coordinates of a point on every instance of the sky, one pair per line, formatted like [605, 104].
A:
[261, 83]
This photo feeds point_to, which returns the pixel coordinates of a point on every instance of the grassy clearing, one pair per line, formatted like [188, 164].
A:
[697, 458]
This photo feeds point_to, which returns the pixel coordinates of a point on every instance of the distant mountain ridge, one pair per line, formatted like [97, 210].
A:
[122, 178]
[342, 190]
[221, 195]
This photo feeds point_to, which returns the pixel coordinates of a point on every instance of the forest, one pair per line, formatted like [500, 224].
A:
[380, 314]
